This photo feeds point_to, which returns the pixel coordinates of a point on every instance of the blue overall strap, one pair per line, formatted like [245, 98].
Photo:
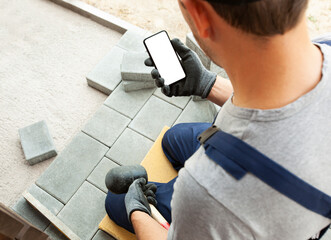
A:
[238, 158]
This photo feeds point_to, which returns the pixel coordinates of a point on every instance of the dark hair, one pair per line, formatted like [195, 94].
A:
[262, 18]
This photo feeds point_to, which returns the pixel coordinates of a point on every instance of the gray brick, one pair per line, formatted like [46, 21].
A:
[130, 148]
[154, 116]
[37, 142]
[135, 85]
[70, 169]
[132, 40]
[55, 234]
[218, 70]
[106, 75]
[192, 43]
[97, 177]
[25, 210]
[327, 235]
[133, 67]
[106, 125]
[180, 102]
[45, 199]
[83, 213]
[128, 103]
[202, 111]
[101, 235]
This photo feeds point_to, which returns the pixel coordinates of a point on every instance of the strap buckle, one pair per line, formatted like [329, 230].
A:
[204, 136]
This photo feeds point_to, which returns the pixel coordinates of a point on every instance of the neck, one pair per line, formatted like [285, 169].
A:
[274, 72]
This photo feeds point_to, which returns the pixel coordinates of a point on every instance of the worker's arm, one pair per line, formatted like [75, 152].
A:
[146, 228]
[221, 91]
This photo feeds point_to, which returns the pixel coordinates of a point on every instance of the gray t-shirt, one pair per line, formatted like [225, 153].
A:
[208, 203]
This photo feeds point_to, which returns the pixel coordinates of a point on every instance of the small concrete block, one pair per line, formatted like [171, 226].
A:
[106, 75]
[97, 177]
[132, 40]
[218, 70]
[128, 103]
[106, 125]
[101, 235]
[130, 148]
[130, 86]
[180, 102]
[192, 43]
[37, 142]
[25, 210]
[133, 67]
[202, 111]
[327, 235]
[154, 116]
[83, 213]
[70, 169]
[55, 234]
[45, 199]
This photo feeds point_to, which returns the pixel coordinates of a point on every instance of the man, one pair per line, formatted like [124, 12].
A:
[278, 102]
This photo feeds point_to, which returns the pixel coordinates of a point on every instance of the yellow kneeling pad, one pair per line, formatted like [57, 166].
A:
[159, 169]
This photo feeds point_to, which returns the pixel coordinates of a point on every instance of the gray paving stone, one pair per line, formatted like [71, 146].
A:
[37, 142]
[327, 235]
[180, 102]
[70, 169]
[46, 199]
[154, 116]
[128, 103]
[192, 43]
[130, 148]
[135, 85]
[83, 213]
[97, 177]
[25, 210]
[101, 235]
[106, 125]
[55, 234]
[106, 75]
[202, 111]
[133, 67]
[132, 40]
[218, 70]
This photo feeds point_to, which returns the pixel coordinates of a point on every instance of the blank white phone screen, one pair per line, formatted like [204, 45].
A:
[165, 58]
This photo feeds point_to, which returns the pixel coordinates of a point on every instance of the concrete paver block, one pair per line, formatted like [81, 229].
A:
[97, 177]
[130, 148]
[192, 43]
[70, 169]
[106, 125]
[55, 234]
[218, 70]
[132, 40]
[128, 103]
[180, 102]
[83, 213]
[101, 235]
[154, 116]
[25, 210]
[327, 235]
[135, 85]
[46, 199]
[133, 67]
[106, 75]
[201, 111]
[37, 142]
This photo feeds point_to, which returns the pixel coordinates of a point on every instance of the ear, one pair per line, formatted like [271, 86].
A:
[200, 16]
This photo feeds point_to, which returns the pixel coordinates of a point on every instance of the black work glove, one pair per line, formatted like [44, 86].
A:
[139, 196]
[199, 81]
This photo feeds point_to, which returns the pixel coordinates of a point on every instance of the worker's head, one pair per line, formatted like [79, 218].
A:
[259, 19]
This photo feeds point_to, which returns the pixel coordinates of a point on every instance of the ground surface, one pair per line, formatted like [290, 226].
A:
[46, 52]
[165, 14]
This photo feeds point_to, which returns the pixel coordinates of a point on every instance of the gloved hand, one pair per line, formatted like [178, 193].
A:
[139, 196]
[199, 81]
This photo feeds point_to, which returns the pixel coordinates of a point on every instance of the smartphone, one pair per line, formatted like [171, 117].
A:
[164, 57]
